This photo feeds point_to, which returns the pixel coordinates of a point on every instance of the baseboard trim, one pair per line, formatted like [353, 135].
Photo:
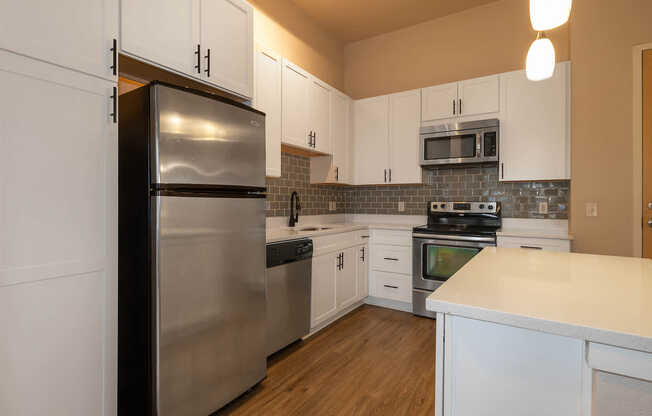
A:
[334, 318]
[388, 303]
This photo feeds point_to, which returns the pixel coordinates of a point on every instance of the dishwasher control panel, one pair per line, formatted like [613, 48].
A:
[288, 252]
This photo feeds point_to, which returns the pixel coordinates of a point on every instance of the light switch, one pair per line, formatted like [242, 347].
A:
[332, 205]
[591, 209]
[401, 206]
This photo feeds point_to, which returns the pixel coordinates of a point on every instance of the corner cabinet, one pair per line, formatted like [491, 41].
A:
[535, 127]
[207, 40]
[386, 132]
[267, 98]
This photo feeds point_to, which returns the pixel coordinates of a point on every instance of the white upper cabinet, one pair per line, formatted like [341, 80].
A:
[404, 123]
[267, 98]
[535, 127]
[371, 132]
[320, 115]
[439, 102]
[208, 40]
[226, 38]
[340, 132]
[386, 139]
[163, 32]
[296, 99]
[472, 97]
[479, 96]
[75, 34]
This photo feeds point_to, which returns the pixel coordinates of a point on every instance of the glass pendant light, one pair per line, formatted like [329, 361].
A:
[548, 14]
[540, 61]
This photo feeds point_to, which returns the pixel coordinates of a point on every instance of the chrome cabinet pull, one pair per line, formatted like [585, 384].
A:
[114, 49]
[198, 53]
[391, 287]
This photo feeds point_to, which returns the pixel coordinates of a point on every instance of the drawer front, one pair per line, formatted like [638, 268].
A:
[363, 236]
[548, 244]
[393, 286]
[391, 237]
[392, 259]
[333, 242]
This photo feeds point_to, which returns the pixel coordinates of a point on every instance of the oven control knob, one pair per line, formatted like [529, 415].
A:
[443, 206]
[490, 207]
[434, 206]
[481, 206]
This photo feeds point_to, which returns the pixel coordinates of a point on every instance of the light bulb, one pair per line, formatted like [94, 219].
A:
[540, 61]
[548, 14]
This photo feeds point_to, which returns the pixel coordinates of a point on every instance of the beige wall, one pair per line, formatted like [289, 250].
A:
[481, 41]
[281, 26]
[603, 33]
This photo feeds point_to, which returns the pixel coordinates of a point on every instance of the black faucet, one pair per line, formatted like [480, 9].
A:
[294, 208]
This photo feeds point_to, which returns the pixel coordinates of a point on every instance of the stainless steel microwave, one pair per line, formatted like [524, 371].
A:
[460, 143]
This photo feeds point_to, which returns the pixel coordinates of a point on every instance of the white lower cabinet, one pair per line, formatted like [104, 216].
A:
[390, 276]
[339, 276]
[393, 286]
[323, 299]
[58, 222]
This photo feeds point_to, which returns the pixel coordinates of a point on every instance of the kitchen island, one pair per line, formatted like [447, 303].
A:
[544, 333]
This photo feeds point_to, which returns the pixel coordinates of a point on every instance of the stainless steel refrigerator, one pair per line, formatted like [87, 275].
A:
[191, 328]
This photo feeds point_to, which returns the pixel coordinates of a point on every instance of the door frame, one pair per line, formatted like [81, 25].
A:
[637, 165]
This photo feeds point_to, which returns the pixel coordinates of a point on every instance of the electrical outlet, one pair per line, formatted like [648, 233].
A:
[543, 207]
[591, 209]
[401, 206]
[332, 206]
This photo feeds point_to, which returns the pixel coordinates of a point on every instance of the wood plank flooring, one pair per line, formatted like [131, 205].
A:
[374, 361]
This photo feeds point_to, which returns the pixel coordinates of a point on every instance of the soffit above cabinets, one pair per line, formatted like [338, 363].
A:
[353, 20]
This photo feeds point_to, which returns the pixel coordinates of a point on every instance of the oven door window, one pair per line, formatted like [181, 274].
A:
[450, 147]
[441, 262]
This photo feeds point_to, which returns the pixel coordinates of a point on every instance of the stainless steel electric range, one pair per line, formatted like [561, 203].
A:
[456, 231]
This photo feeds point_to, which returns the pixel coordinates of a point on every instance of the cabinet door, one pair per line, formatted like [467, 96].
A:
[227, 31]
[267, 98]
[58, 222]
[347, 284]
[296, 88]
[323, 300]
[75, 34]
[340, 111]
[370, 125]
[479, 96]
[439, 102]
[363, 271]
[164, 32]
[535, 127]
[320, 115]
[404, 123]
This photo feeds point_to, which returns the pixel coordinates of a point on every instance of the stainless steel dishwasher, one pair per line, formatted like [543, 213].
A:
[288, 281]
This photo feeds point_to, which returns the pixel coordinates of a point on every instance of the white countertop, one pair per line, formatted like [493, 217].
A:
[603, 299]
[286, 233]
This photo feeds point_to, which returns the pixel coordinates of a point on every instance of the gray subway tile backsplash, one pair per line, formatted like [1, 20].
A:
[519, 199]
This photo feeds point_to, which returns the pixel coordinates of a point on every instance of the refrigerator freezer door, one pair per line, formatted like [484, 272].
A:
[199, 140]
[210, 267]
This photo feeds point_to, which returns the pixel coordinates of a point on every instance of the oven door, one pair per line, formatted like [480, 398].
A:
[451, 147]
[436, 258]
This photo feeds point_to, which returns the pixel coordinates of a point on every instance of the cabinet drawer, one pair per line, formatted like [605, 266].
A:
[393, 286]
[548, 244]
[332, 242]
[363, 236]
[393, 259]
[391, 237]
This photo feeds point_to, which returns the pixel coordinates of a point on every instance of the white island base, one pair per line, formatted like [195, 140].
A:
[508, 344]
